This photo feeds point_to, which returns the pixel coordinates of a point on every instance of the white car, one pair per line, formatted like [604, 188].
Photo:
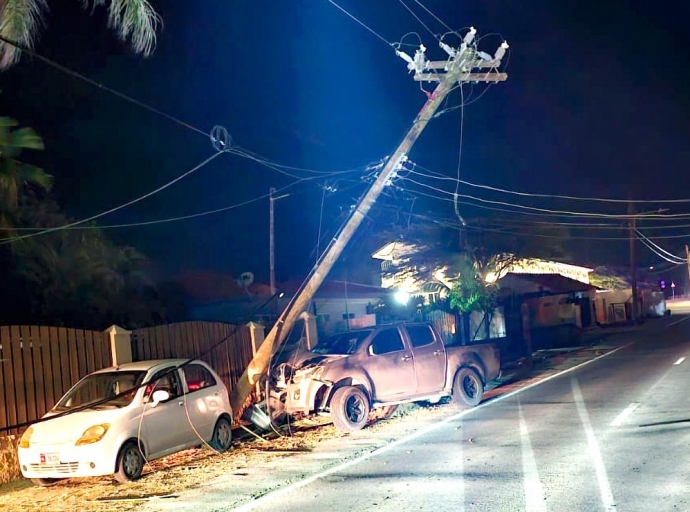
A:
[167, 410]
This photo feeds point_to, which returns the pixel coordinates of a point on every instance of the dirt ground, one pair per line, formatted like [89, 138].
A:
[191, 468]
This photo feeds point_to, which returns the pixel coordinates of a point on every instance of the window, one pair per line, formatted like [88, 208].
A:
[166, 380]
[420, 335]
[198, 377]
[387, 341]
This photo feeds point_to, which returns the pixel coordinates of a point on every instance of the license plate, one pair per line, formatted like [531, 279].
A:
[50, 458]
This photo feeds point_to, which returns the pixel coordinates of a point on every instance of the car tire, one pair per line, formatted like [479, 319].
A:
[468, 388]
[222, 435]
[130, 463]
[350, 409]
[46, 482]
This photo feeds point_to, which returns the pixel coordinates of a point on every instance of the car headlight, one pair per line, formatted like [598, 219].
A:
[93, 434]
[24, 442]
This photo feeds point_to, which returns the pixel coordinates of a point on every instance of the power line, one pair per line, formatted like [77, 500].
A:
[548, 211]
[668, 254]
[120, 207]
[184, 217]
[361, 23]
[84, 78]
[548, 196]
[433, 34]
[433, 15]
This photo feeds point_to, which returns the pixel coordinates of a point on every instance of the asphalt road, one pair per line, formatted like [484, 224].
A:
[613, 434]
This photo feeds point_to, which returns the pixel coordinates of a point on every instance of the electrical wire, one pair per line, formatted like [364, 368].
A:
[361, 23]
[98, 85]
[432, 14]
[190, 216]
[439, 176]
[550, 211]
[457, 184]
[433, 34]
[659, 253]
[646, 240]
[116, 208]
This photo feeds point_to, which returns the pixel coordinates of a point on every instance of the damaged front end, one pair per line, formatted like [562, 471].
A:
[302, 389]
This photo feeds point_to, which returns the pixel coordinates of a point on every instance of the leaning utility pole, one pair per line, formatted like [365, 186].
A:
[456, 69]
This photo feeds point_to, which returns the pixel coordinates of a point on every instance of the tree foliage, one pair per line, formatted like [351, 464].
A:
[134, 21]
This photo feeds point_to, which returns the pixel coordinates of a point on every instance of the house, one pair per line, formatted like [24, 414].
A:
[337, 305]
[396, 274]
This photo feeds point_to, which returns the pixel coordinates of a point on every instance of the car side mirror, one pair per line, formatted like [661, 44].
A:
[159, 396]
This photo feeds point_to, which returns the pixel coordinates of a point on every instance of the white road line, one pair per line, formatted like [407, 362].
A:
[534, 493]
[626, 412]
[267, 498]
[680, 360]
[602, 477]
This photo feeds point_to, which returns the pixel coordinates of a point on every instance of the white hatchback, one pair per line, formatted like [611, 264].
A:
[99, 428]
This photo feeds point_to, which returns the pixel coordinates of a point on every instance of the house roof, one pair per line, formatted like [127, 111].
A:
[207, 287]
[550, 284]
[335, 288]
[211, 286]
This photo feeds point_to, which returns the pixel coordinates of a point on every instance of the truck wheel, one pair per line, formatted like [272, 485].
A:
[349, 409]
[468, 388]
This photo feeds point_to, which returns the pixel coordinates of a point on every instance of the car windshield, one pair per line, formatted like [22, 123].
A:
[100, 386]
[343, 344]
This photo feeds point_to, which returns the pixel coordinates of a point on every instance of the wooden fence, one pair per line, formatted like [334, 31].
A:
[39, 364]
[198, 340]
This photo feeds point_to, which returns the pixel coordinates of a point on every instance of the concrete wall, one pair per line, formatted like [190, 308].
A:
[9, 465]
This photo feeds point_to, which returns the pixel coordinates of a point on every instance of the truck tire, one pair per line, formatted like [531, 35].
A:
[349, 409]
[468, 388]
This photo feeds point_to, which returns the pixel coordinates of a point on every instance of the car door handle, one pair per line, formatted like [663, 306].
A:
[405, 358]
[180, 404]
[438, 352]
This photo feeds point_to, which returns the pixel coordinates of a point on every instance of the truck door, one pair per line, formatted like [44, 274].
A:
[429, 358]
[390, 366]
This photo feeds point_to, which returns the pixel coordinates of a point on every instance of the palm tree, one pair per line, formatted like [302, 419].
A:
[21, 20]
[15, 174]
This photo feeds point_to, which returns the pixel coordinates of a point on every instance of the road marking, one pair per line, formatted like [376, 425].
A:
[267, 498]
[626, 412]
[680, 360]
[534, 493]
[594, 451]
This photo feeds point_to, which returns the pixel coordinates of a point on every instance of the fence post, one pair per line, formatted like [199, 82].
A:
[256, 334]
[310, 329]
[120, 345]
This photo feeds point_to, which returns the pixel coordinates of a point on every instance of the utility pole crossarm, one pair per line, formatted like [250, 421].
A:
[465, 77]
[455, 70]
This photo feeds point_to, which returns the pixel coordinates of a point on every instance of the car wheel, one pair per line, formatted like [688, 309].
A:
[46, 482]
[468, 388]
[350, 409]
[130, 463]
[222, 435]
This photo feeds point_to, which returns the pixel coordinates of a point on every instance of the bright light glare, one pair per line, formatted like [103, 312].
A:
[402, 297]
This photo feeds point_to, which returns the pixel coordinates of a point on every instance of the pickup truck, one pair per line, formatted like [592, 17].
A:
[349, 374]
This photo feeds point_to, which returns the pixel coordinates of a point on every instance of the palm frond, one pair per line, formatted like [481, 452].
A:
[27, 138]
[35, 176]
[133, 20]
[20, 21]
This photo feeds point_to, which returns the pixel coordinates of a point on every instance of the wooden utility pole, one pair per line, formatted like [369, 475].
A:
[271, 242]
[633, 266]
[448, 74]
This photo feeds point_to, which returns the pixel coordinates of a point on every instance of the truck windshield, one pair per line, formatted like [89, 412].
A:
[341, 344]
[99, 386]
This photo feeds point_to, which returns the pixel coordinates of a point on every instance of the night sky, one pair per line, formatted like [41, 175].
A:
[596, 104]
